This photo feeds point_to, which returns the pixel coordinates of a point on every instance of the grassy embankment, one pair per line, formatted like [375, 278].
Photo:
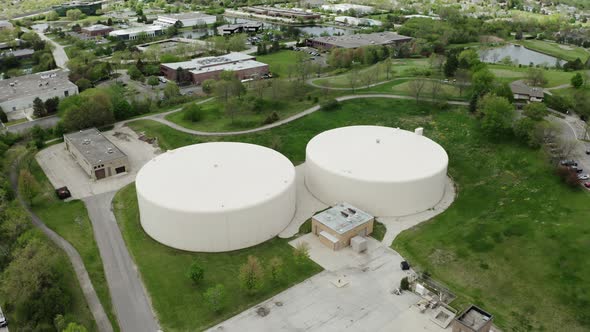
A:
[515, 239]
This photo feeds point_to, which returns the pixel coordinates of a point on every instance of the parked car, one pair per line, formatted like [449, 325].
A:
[577, 169]
[588, 151]
[583, 176]
[587, 185]
[63, 193]
[569, 163]
[3, 320]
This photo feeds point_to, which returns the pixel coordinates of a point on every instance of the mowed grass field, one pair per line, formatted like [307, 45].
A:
[279, 62]
[516, 239]
[178, 302]
[565, 52]
[506, 73]
[70, 220]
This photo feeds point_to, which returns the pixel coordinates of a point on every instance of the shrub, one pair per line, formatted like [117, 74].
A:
[251, 275]
[3, 116]
[214, 297]
[196, 272]
[275, 268]
[404, 284]
[330, 105]
[271, 118]
[301, 252]
[192, 113]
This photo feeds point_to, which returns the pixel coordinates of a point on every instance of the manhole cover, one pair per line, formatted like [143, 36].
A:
[262, 311]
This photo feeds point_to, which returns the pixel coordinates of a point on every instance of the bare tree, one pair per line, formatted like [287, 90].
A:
[435, 88]
[353, 77]
[416, 87]
[463, 78]
[388, 67]
[568, 147]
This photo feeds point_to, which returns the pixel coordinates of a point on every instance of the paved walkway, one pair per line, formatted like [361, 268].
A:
[102, 321]
[129, 297]
[161, 116]
[59, 54]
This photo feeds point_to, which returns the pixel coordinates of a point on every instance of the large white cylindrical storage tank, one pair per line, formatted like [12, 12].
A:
[384, 171]
[215, 197]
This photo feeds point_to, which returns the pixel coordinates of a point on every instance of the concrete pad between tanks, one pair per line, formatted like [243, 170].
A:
[307, 204]
[63, 170]
[365, 304]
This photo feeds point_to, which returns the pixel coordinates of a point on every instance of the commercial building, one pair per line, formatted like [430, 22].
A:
[5, 25]
[473, 319]
[97, 30]
[17, 93]
[337, 225]
[282, 12]
[186, 19]
[229, 29]
[356, 21]
[358, 40]
[524, 93]
[197, 70]
[25, 53]
[96, 154]
[135, 32]
[86, 7]
[385, 171]
[215, 197]
[348, 7]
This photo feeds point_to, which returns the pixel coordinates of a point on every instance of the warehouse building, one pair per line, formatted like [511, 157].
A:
[135, 32]
[17, 94]
[337, 225]
[97, 30]
[186, 19]
[385, 38]
[197, 70]
[87, 7]
[215, 197]
[282, 12]
[96, 154]
[348, 7]
[386, 171]
[230, 29]
[356, 21]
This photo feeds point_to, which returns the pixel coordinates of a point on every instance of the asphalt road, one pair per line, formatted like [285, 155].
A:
[102, 321]
[46, 122]
[129, 297]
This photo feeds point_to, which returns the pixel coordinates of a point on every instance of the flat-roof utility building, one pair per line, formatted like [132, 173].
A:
[215, 197]
[186, 19]
[474, 319]
[135, 32]
[337, 225]
[96, 154]
[385, 171]
[197, 70]
[97, 30]
[17, 93]
[357, 40]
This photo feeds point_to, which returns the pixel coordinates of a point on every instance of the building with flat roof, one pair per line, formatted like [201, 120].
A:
[86, 7]
[135, 32]
[17, 93]
[355, 21]
[200, 69]
[230, 29]
[96, 154]
[97, 30]
[347, 7]
[337, 225]
[5, 25]
[187, 19]
[385, 38]
[282, 12]
[474, 319]
[19, 54]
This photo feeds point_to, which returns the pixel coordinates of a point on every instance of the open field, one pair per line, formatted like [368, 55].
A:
[70, 220]
[279, 62]
[506, 73]
[566, 52]
[515, 239]
[178, 302]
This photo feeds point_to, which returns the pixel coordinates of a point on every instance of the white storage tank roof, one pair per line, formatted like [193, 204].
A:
[215, 197]
[384, 171]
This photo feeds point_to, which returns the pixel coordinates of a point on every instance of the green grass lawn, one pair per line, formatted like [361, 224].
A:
[566, 52]
[279, 62]
[178, 302]
[70, 220]
[506, 73]
[514, 241]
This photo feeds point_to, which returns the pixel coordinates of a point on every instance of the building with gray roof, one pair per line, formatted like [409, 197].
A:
[337, 225]
[357, 40]
[17, 93]
[96, 154]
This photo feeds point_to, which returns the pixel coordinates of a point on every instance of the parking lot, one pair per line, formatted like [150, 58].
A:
[63, 170]
[353, 293]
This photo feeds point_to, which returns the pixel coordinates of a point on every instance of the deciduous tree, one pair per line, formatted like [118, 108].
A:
[251, 275]
[498, 115]
[214, 297]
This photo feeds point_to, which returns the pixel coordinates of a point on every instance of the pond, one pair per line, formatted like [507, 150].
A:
[518, 55]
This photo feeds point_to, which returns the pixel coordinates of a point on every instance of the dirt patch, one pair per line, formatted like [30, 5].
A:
[490, 39]
[262, 311]
[565, 47]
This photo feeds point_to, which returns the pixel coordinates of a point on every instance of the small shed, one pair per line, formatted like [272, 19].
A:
[337, 225]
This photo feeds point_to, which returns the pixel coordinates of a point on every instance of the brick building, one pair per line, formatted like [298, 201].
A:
[97, 30]
[337, 225]
[200, 69]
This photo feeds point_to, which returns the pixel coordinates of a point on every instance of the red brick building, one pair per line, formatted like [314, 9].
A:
[197, 70]
[97, 30]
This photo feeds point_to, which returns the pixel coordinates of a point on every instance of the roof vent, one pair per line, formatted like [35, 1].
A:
[110, 150]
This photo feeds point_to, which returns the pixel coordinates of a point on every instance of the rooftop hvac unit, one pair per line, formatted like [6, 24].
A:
[358, 244]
